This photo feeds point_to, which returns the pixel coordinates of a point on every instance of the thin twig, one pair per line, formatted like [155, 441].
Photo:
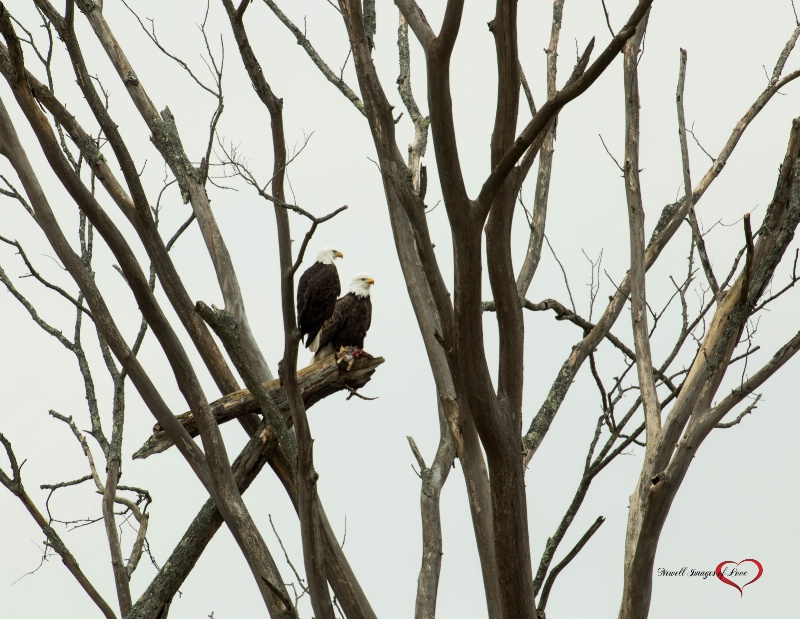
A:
[563, 272]
[614, 159]
[35, 274]
[699, 145]
[570, 556]
[608, 19]
[288, 560]
[303, 42]
[151, 34]
[792, 281]
[687, 179]
[417, 454]
[355, 393]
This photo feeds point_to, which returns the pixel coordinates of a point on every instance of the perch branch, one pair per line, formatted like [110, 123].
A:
[316, 382]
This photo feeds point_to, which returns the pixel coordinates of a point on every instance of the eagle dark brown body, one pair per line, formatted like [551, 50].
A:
[350, 320]
[317, 292]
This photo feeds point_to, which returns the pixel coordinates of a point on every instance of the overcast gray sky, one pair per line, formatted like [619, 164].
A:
[740, 498]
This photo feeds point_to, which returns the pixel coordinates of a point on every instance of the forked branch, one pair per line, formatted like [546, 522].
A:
[14, 484]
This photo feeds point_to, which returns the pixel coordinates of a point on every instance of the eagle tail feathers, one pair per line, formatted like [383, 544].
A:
[313, 345]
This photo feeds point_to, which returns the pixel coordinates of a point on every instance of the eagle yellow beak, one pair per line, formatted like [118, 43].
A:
[338, 254]
[370, 281]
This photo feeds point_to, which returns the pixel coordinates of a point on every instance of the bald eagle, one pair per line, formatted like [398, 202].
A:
[349, 322]
[316, 294]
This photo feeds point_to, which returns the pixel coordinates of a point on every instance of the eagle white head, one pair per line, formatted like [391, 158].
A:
[360, 285]
[327, 255]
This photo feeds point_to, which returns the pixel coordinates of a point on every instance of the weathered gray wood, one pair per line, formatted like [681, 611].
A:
[316, 382]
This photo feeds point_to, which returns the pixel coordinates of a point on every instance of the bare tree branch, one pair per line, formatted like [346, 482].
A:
[785, 353]
[159, 593]
[415, 18]
[14, 484]
[169, 277]
[534, 251]
[641, 336]
[552, 106]
[322, 557]
[671, 217]
[687, 181]
[433, 480]
[570, 556]
[303, 42]
[416, 150]
[217, 476]
[748, 409]
[167, 140]
[691, 416]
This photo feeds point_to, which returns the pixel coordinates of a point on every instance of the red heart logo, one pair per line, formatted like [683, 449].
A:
[735, 572]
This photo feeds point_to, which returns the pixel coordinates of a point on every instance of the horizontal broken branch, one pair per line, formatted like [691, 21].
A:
[316, 382]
